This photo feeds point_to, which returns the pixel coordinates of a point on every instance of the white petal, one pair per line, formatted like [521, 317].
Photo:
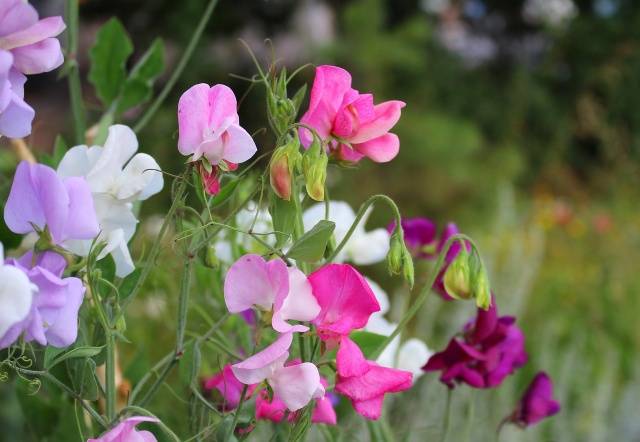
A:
[300, 304]
[75, 162]
[381, 296]
[121, 144]
[412, 356]
[16, 295]
[140, 179]
[366, 248]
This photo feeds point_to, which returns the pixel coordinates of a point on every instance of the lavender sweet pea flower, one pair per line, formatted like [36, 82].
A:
[40, 199]
[27, 46]
[53, 317]
[536, 403]
[126, 431]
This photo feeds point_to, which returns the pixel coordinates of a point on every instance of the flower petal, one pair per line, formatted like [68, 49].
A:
[141, 178]
[36, 58]
[298, 304]
[349, 360]
[15, 297]
[387, 115]
[193, 118]
[263, 364]
[82, 222]
[45, 28]
[239, 145]
[297, 384]
[381, 149]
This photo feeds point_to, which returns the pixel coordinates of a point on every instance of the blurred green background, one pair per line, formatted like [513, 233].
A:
[520, 126]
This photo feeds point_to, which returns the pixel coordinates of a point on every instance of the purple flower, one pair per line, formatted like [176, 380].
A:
[536, 403]
[126, 431]
[27, 46]
[40, 199]
[53, 318]
[490, 349]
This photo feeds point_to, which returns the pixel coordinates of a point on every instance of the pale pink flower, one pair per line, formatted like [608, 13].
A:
[349, 121]
[126, 431]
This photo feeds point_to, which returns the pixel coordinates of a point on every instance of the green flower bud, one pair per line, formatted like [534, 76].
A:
[407, 266]
[395, 255]
[314, 168]
[210, 258]
[457, 277]
[281, 168]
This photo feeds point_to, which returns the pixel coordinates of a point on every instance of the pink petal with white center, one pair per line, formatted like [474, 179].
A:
[346, 300]
[263, 364]
[381, 149]
[297, 384]
[238, 145]
[386, 115]
[298, 304]
[253, 281]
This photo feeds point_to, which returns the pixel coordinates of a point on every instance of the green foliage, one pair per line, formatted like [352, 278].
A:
[139, 85]
[310, 247]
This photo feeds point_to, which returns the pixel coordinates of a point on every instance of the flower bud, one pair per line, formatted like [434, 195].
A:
[210, 258]
[314, 167]
[407, 266]
[282, 166]
[466, 278]
[395, 255]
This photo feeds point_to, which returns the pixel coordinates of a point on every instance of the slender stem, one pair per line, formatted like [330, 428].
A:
[186, 56]
[470, 416]
[110, 375]
[422, 296]
[75, 86]
[446, 423]
[183, 305]
[361, 213]
[236, 415]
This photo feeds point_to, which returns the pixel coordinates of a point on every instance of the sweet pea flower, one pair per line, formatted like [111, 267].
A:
[491, 349]
[346, 301]
[295, 384]
[53, 315]
[27, 46]
[16, 295]
[126, 431]
[348, 121]
[536, 403]
[117, 177]
[40, 199]
[228, 386]
[363, 247]
[209, 126]
[274, 409]
[410, 355]
[252, 281]
[365, 382]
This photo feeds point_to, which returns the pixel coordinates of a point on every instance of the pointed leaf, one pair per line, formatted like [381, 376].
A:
[311, 246]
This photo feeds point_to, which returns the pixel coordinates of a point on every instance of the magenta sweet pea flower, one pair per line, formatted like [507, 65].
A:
[228, 386]
[209, 126]
[491, 349]
[126, 431]
[252, 281]
[294, 384]
[348, 121]
[345, 298]
[40, 198]
[537, 402]
[53, 317]
[364, 382]
[27, 46]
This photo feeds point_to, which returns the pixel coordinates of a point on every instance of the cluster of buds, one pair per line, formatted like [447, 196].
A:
[466, 278]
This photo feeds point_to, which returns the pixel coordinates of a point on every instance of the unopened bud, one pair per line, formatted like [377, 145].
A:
[282, 166]
[210, 257]
[314, 167]
[407, 266]
[395, 255]
[466, 278]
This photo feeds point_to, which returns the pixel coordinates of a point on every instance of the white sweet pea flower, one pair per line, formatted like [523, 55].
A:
[16, 295]
[364, 247]
[411, 355]
[118, 177]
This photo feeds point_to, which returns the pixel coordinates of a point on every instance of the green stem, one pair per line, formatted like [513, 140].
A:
[110, 375]
[470, 416]
[186, 56]
[422, 296]
[75, 86]
[360, 215]
[446, 423]
[236, 415]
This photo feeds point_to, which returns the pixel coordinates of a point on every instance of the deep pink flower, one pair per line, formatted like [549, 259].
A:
[53, 318]
[537, 402]
[252, 281]
[491, 349]
[126, 431]
[229, 387]
[341, 114]
[39, 197]
[346, 300]
[364, 382]
[295, 384]
[208, 125]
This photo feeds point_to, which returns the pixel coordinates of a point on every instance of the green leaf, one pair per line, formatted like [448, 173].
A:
[283, 215]
[83, 378]
[107, 268]
[367, 341]
[50, 354]
[311, 246]
[78, 352]
[138, 88]
[128, 283]
[299, 97]
[108, 57]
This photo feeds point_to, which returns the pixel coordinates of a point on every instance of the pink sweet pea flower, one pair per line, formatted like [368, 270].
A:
[364, 382]
[209, 126]
[294, 384]
[341, 115]
[126, 431]
[537, 402]
[40, 198]
[229, 387]
[346, 300]
[16, 115]
[252, 281]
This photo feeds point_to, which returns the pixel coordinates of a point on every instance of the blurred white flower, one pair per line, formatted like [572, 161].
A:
[117, 177]
[411, 355]
[16, 295]
[550, 12]
[364, 247]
